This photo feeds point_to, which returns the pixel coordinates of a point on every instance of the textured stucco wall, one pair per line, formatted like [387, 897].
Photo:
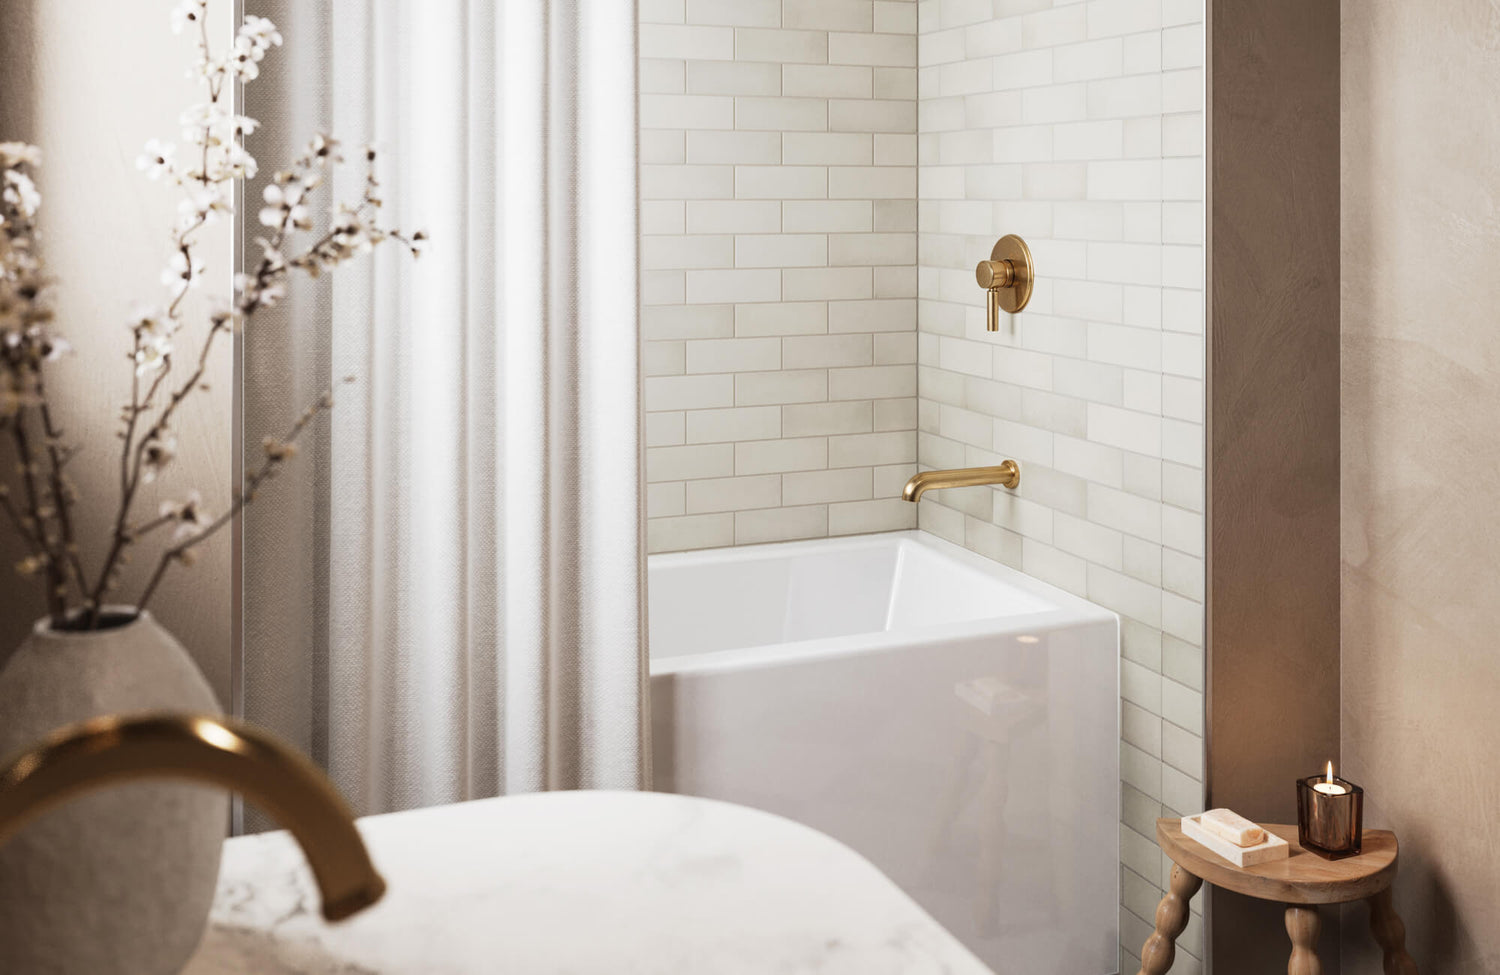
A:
[1421, 396]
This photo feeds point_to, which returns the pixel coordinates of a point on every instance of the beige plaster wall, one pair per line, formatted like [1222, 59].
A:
[1421, 463]
[90, 81]
[1273, 410]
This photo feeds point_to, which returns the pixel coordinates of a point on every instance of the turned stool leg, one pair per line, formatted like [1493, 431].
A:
[1171, 917]
[1302, 924]
[1390, 934]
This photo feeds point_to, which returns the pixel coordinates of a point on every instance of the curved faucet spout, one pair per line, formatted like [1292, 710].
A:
[1006, 474]
[155, 745]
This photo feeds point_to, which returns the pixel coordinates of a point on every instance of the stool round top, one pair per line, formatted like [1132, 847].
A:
[1302, 878]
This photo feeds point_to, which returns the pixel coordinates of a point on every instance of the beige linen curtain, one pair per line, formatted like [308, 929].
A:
[447, 601]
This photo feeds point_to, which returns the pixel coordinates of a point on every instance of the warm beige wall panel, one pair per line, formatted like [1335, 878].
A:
[1421, 463]
[1273, 625]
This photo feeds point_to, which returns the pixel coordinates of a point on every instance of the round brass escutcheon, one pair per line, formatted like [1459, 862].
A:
[1010, 271]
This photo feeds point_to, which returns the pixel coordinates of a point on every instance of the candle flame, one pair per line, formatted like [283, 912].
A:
[1330, 773]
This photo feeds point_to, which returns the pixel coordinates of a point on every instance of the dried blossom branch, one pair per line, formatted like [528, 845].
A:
[217, 159]
[277, 453]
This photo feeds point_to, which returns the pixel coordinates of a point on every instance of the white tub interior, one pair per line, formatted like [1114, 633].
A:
[702, 603]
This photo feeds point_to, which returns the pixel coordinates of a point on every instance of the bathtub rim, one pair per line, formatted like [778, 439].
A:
[1068, 611]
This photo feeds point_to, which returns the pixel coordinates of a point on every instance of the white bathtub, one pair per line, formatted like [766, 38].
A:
[953, 720]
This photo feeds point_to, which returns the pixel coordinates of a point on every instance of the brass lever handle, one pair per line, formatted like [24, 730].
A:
[1008, 277]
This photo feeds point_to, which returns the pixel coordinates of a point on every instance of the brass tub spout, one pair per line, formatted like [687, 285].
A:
[219, 751]
[1005, 474]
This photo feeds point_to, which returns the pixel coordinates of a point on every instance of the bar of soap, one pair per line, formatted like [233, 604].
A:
[1233, 827]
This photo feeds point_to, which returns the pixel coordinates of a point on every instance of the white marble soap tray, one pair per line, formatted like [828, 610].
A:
[1274, 848]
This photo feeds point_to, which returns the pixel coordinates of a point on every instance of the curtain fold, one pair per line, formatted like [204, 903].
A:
[478, 626]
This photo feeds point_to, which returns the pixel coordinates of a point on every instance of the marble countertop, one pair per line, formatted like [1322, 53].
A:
[579, 882]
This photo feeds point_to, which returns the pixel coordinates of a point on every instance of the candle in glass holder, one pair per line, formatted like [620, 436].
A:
[1330, 815]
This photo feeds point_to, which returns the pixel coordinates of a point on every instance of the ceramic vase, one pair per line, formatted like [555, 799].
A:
[117, 881]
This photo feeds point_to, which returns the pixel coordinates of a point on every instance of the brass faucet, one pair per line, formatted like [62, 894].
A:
[1006, 474]
[154, 745]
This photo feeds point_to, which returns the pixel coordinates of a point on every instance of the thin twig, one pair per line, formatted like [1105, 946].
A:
[267, 469]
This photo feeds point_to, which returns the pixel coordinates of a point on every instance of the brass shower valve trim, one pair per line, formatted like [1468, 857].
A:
[1008, 277]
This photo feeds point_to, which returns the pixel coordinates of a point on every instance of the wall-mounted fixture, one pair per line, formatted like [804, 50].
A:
[1006, 474]
[1008, 276]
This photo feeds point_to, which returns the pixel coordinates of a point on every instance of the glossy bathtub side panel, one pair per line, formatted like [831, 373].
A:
[979, 774]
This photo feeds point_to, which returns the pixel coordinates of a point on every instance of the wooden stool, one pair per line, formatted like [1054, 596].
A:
[1302, 881]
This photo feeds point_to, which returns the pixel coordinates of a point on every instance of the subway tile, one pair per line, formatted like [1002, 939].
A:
[740, 284]
[680, 41]
[666, 499]
[824, 351]
[684, 463]
[777, 456]
[734, 355]
[733, 494]
[824, 419]
[827, 149]
[728, 426]
[871, 182]
[869, 449]
[766, 388]
[661, 11]
[734, 148]
[871, 382]
[872, 115]
[731, 78]
[883, 50]
[780, 318]
[664, 358]
[687, 182]
[688, 321]
[735, 13]
[893, 82]
[733, 216]
[895, 17]
[689, 392]
[660, 148]
[827, 216]
[690, 532]
[878, 515]
[826, 284]
[780, 524]
[663, 217]
[781, 250]
[665, 430]
[781, 114]
[833, 15]
[777, 46]
[779, 182]
[686, 252]
[667, 77]
[823, 487]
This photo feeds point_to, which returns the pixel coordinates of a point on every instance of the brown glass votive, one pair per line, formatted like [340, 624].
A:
[1330, 825]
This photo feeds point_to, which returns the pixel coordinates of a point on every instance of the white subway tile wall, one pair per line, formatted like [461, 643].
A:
[779, 214]
[1079, 125]
[813, 333]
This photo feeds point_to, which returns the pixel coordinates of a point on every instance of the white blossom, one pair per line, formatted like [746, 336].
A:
[21, 193]
[187, 12]
[181, 273]
[261, 31]
[285, 206]
[19, 153]
[156, 454]
[205, 203]
[236, 164]
[191, 516]
[245, 57]
[152, 354]
[157, 159]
